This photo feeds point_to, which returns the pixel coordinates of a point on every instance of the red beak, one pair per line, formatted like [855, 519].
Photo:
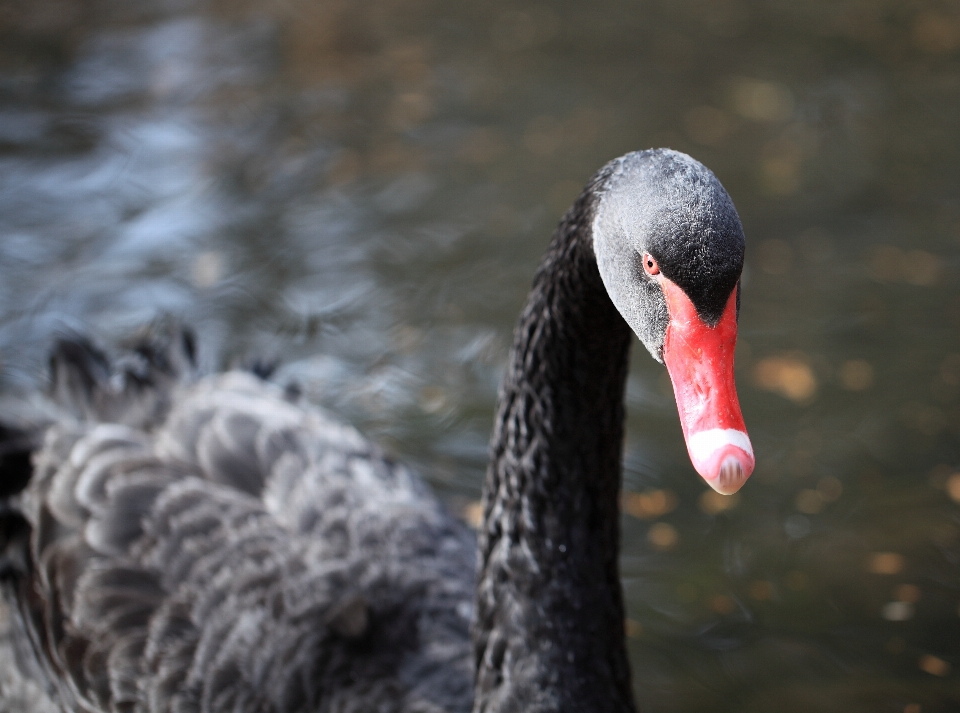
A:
[700, 361]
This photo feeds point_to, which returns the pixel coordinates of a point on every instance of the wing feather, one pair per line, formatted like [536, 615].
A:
[244, 554]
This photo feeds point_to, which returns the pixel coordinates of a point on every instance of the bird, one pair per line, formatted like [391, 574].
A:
[173, 541]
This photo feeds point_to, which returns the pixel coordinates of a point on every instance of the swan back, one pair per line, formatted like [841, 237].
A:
[239, 552]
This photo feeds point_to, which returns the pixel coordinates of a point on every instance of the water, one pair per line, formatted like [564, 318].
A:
[363, 190]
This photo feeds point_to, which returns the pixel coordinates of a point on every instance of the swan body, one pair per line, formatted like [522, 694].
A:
[212, 544]
[249, 554]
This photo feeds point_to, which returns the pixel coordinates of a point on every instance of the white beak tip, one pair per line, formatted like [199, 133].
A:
[731, 477]
[724, 457]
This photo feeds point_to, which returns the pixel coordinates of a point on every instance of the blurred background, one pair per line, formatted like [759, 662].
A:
[363, 190]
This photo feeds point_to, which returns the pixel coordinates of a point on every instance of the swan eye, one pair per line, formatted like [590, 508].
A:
[650, 265]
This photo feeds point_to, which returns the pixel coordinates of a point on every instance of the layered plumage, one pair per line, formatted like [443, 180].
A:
[219, 547]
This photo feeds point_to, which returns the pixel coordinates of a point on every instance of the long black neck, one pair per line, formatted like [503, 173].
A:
[549, 624]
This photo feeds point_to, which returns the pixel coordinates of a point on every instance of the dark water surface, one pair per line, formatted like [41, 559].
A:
[363, 190]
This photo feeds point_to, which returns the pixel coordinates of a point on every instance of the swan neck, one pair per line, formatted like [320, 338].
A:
[548, 632]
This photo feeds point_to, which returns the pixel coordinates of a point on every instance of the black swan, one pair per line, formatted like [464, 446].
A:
[212, 544]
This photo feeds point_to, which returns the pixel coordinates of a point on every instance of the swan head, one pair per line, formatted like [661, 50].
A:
[669, 246]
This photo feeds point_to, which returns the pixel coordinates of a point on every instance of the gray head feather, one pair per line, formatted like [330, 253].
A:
[668, 204]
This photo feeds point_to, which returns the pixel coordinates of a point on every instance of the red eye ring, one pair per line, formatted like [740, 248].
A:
[650, 265]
